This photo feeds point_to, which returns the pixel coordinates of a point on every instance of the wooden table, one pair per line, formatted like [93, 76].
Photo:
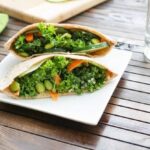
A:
[125, 125]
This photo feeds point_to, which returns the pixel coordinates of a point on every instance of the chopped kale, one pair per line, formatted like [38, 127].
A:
[85, 78]
[48, 38]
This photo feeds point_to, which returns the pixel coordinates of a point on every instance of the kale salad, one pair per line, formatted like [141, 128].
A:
[60, 75]
[48, 38]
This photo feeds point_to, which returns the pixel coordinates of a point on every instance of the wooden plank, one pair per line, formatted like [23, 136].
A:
[14, 140]
[138, 57]
[136, 77]
[133, 5]
[17, 22]
[103, 27]
[128, 113]
[14, 27]
[139, 64]
[4, 38]
[132, 95]
[138, 70]
[52, 131]
[112, 33]
[1, 56]
[30, 141]
[130, 104]
[106, 144]
[145, 88]
[8, 32]
[74, 132]
[120, 18]
[123, 116]
[125, 123]
[3, 52]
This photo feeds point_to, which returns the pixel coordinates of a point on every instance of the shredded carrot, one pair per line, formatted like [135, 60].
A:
[57, 79]
[54, 95]
[29, 37]
[74, 64]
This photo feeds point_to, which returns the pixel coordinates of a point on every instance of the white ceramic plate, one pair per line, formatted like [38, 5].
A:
[87, 108]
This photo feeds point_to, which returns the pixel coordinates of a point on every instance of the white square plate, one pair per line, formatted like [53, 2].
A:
[87, 108]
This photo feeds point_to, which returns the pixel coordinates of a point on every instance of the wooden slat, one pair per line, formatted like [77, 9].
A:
[136, 77]
[125, 123]
[145, 88]
[52, 131]
[9, 138]
[8, 32]
[128, 113]
[130, 104]
[132, 95]
[55, 131]
[133, 5]
[138, 70]
[139, 64]
[122, 116]
[107, 144]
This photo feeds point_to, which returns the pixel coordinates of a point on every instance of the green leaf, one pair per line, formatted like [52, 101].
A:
[94, 47]
[3, 21]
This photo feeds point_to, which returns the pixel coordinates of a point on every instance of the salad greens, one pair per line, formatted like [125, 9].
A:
[48, 38]
[60, 75]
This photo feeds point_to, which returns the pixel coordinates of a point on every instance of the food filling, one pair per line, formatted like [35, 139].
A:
[48, 38]
[60, 75]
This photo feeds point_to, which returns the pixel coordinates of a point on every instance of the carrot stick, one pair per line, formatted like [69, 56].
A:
[54, 95]
[29, 37]
[57, 79]
[74, 64]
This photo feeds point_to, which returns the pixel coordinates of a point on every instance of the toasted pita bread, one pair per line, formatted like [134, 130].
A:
[33, 64]
[94, 52]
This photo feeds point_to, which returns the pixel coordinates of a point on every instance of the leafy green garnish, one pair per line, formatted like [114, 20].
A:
[20, 42]
[47, 31]
[3, 21]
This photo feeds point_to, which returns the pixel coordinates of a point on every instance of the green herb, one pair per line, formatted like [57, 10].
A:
[3, 21]
[20, 42]
[48, 38]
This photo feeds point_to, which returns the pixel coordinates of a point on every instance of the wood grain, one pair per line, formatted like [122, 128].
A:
[125, 123]
[9, 137]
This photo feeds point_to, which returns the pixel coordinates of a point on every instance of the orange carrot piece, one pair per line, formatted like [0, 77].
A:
[54, 95]
[29, 37]
[74, 64]
[57, 79]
